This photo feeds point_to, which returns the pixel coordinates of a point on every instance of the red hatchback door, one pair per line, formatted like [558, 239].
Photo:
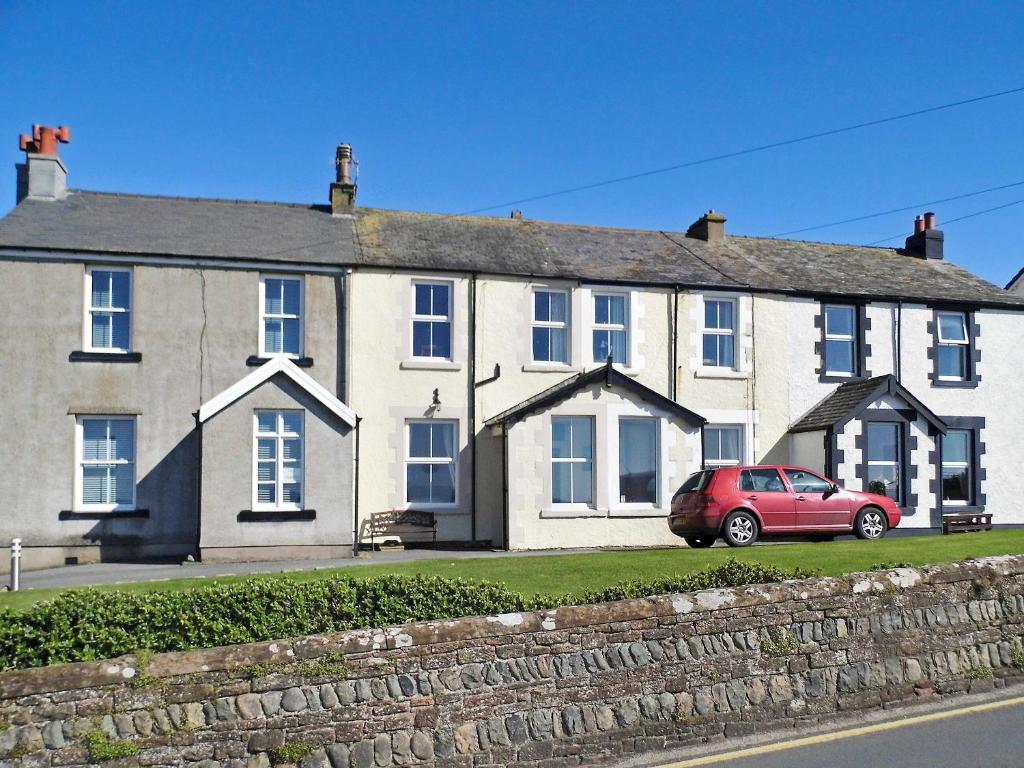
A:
[817, 505]
[763, 489]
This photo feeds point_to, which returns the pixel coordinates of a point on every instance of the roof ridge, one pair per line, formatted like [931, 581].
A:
[192, 199]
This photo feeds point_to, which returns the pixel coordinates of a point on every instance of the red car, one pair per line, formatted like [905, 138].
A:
[741, 504]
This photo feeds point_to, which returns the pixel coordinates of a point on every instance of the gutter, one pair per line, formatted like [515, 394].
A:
[30, 253]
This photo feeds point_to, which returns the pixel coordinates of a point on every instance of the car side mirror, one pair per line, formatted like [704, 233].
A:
[834, 488]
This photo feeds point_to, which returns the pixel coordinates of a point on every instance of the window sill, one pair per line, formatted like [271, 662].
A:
[720, 373]
[572, 511]
[954, 384]
[554, 368]
[637, 510]
[85, 514]
[303, 362]
[430, 365]
[837, 378]
[275, 515]
[81, 356]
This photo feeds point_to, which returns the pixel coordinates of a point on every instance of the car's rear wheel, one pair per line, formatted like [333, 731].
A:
[740, 529]
[870, 524]
[699, 542]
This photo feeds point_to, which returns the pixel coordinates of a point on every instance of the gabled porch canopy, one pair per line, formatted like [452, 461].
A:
[607, 374]
[851, 398]
[271, 368]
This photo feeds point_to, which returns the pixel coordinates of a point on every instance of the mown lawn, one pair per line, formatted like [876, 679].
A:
[561, 574]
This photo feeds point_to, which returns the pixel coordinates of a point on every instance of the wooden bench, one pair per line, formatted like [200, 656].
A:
[964, 523]
[403, 524]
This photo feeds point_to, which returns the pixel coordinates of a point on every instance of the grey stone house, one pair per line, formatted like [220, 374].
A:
[182, 376]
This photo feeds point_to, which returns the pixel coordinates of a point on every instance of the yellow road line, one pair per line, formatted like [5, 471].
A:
[850, 733]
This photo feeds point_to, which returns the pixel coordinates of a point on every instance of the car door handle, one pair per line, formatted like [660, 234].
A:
[752, 498]
[801, 498]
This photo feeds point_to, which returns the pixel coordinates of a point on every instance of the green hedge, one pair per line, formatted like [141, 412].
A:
[87, 624]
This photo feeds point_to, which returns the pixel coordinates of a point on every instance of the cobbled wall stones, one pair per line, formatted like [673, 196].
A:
[578, 685]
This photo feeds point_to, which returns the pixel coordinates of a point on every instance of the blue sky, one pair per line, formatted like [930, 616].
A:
[456, 106]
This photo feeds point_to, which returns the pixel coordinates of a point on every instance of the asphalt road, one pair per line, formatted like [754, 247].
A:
[988, 735]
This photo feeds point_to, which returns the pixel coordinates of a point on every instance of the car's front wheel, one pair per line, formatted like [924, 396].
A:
[699, 542]
[740, 529]
[870, 524]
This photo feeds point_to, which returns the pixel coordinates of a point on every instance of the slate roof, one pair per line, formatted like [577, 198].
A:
[102, 223]
[848, 399]
[606, 374]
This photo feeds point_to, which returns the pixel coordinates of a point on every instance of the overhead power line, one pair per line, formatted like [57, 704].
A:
[958, 218]
[900, 210]
[748, 150]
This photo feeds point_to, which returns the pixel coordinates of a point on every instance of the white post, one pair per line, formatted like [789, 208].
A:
[15, 565]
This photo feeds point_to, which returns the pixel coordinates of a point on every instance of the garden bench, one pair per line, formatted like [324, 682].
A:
[969, 521]
[409, 525]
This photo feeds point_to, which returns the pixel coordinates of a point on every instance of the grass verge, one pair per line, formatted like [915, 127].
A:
[564, 574]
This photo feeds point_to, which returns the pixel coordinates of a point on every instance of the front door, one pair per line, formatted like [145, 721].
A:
[816, 504]
[764, 490]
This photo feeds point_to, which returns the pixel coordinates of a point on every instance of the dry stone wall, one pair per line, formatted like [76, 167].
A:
[574, 686]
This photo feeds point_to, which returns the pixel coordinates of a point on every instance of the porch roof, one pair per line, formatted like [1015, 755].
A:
[849, 399]
[611, 376]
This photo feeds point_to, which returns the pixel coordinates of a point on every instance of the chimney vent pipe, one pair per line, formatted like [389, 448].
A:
[929, 220]
[343, 190]
[918, 225]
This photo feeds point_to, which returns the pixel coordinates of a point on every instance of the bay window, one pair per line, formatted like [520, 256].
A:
[638, 460]
[572, 460]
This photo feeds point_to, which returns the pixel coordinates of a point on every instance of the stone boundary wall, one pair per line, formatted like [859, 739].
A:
[579, 685]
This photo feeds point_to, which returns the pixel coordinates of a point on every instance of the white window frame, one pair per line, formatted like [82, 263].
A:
[959, 465]
[897, 464]
[279, 436]
[80, 463]
[624, 326]
[443, 460]
[573, 505]
[733, 332]
[943, 342]
[282, 316]
[415, 318]
[89, 310]
[851, 338]
[658, 468]
[740, 431]
[552, 324]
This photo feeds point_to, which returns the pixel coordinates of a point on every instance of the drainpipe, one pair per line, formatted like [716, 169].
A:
[675, 343]
[355, 500]
[899, 341]
[472, 407]
[504, 484]
[199, 485]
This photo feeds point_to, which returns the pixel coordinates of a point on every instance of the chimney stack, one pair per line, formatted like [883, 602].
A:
[343, 190]
[43, 175]
[709, 227]
[926, 242]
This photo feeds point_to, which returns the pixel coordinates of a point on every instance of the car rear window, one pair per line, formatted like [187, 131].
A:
[698, 481]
